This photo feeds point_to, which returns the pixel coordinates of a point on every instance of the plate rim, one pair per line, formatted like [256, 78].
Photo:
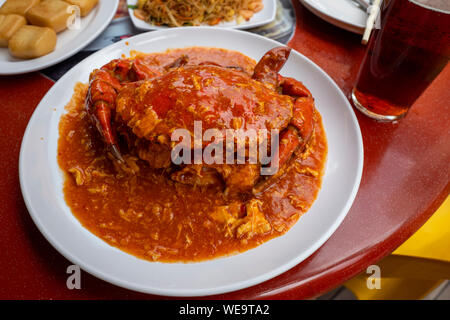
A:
[150, 27]
[312, 6]
[109, 6]
[88, 267]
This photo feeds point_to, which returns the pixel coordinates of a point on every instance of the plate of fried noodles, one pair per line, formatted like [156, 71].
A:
[237, 14]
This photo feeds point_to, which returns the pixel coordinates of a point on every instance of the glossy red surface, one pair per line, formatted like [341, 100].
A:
[405, 178]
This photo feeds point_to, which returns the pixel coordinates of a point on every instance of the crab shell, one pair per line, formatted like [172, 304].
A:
[221, 98]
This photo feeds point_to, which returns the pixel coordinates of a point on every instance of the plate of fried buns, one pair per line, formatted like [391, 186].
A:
[35, 34]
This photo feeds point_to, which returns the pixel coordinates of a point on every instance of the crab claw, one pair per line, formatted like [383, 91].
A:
[293, 138]
[266, 70]
[100, 100]
[300, 130]
[304, 109]
[301, 126]
[104, 84]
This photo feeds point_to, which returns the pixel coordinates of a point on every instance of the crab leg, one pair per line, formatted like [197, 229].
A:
[266, 71]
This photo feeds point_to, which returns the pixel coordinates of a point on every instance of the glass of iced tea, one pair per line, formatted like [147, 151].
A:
[403, 57]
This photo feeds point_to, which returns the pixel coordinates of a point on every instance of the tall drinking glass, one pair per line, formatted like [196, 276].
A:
[403, 57]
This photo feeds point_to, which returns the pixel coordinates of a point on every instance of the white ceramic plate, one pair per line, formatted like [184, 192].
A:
[69, 41]
[342, 13]
[265, 16]
[42, 180]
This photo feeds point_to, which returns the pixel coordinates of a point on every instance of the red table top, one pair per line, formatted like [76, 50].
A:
[405, 178]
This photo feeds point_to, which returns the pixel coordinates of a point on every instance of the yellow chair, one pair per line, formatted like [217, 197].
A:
[417, 267]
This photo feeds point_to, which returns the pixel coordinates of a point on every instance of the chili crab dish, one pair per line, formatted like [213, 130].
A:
[127, 185]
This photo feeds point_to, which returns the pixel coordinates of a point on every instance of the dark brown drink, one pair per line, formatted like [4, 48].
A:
[403, 57]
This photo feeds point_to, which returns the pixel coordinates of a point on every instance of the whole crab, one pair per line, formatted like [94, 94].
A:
[127, 93]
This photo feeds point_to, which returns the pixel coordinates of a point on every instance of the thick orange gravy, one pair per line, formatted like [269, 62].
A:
[152, 217]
